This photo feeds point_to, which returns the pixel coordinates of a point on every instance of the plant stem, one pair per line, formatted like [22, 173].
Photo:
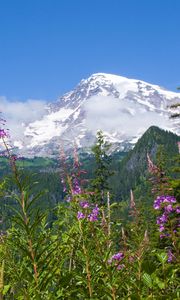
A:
[113, 293]
[87, 263]
[109, 218]
[1, 280]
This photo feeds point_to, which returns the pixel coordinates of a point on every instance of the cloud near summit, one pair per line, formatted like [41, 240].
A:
[129, 118]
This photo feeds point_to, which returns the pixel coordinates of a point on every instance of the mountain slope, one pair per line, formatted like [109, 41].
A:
[123, 108]
[133, 167]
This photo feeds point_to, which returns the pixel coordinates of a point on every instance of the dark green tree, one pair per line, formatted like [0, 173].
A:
[100, 183]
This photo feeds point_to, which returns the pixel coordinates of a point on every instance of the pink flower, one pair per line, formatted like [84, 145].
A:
[120, 267]
[118, 256]
[178, 210]
[169, 208]
[80, 215]
[161, 228]
[3, 134]
[84, 204]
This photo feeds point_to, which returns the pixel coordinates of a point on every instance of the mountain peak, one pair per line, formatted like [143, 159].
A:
[122, 108]
[107, 76]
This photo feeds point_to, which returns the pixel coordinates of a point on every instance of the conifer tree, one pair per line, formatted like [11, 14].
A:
[100, 183]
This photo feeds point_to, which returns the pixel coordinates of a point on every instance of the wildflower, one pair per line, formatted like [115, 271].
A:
[76, 187]
[95, 210]
[94, 214]
[171, 256]
[168, 199]
[118, 256]
[3, 134]
[169, 208]
[68, 199]
[92, 217]
[115, 260]
[84, 204]
[157, 203]
[163, 199]
[80, 215]
[164, 235]
[166, 205]
[120, 267]
[178, 210]
[161, 228]
[162, 219]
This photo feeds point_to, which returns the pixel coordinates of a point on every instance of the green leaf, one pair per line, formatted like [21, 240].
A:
[147, 280]
[6, 289]
[162, 257]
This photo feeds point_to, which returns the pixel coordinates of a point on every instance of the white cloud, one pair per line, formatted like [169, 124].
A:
[18, 114]
[126, 117]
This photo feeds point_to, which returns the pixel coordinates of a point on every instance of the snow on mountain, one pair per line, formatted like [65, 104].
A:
[123, 108]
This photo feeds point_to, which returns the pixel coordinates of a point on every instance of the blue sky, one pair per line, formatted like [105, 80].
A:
[48, 46]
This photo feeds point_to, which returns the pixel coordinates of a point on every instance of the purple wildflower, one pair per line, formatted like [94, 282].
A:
[120, 267]
[169, 208]
[76, 187]
[163, 199]
[168, 199]
[178, 210]
[92, 218]
[68, 199]
[118, 256]
[157, 203]
[161, 228]
[166, 205]
[95, 210]
[84, 204]
[3, 134]
[115, 260]
[171, 256]
[80, 215]
[162, 219]
[94, 214]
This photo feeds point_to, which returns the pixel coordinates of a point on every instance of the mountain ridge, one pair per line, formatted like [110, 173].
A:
[122, 108]
[134, 167]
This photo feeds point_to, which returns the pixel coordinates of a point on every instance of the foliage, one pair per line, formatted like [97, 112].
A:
[90, 250]
[100, 183]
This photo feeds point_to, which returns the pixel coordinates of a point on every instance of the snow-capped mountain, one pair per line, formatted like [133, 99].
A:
[122, 108]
